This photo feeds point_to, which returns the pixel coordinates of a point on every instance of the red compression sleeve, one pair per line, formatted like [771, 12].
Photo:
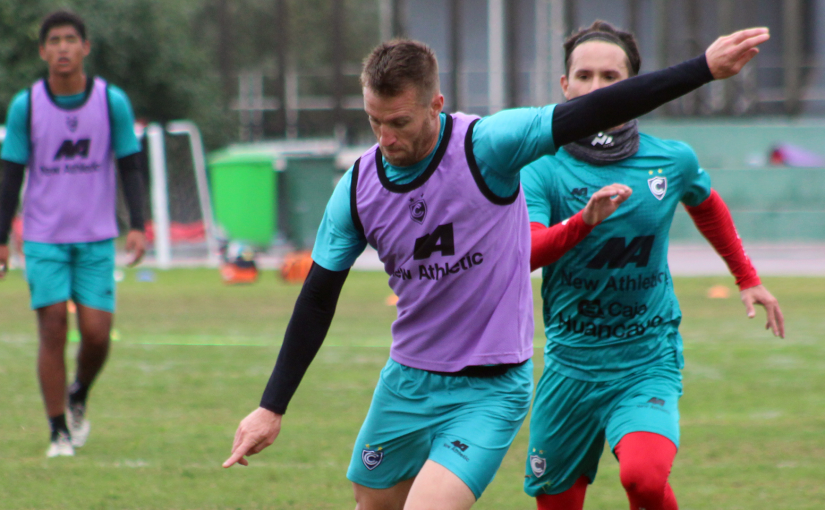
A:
[550, 243]
[571, 499]
[714, 221]
[645, 460]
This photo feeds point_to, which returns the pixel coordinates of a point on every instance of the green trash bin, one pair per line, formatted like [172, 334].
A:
[243, 196]
[306, 185]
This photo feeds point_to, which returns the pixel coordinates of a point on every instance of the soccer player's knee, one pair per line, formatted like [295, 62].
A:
[96, 340]
[376, 499]
[54, 316]
[645, 481]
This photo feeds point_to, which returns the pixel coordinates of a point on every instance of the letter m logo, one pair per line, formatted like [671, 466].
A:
[616, 254]
[579, 192]
[69, 149]
[440, 240]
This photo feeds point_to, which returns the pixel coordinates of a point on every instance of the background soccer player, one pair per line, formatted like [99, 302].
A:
[614, 353]
[65, 129]
[439, 198]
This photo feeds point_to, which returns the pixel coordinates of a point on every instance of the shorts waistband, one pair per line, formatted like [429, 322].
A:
[482, 370]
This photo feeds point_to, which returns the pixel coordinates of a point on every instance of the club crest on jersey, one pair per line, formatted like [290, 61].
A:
[371, 458]
[418, 210]
[71, 123]
[538, 465]
[658, 186]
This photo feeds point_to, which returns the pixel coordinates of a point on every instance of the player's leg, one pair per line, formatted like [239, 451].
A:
[394, 440]
[644, 431]
[566, 440]
[52, 324]
[93, 291]
[95, 326]
[438, 488]
[571, 499]
[446, 435]
[479, 419]
[48, 273]
[382, 499]
[645, 460]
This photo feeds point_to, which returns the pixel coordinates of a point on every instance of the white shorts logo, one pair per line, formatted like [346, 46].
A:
[371, 458]
[538, 465]
[658, 186]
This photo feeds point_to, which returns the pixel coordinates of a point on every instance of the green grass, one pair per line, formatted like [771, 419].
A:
[194, 356]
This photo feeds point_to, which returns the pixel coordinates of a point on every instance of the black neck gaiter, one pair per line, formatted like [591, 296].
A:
[607, 147]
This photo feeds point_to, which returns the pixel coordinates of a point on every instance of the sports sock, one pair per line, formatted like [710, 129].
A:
[78, 393]
[58, 424]
[645, 460]
[571, 499]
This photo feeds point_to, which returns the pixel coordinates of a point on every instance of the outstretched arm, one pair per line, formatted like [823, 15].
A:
[628, 99]
[714, 221]
[507, 141]
[304, 335]
[550, 243]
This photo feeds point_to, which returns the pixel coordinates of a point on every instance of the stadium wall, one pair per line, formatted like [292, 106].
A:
[769, 203]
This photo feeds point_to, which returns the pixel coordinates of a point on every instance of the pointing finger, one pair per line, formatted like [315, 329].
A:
[237, 456]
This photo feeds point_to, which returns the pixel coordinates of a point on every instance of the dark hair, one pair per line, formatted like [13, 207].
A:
[395, 65]
[604, 31]
[61, 19]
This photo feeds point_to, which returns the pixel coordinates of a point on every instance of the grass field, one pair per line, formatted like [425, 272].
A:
[194, 356]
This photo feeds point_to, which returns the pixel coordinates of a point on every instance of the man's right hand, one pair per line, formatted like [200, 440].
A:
[4, 260]
[729, 53]
[257, 431]
[604, 202]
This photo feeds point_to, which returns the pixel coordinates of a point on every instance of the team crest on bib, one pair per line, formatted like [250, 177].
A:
[538, 465]
[658, 186]
[71, 123]
[418, 210]
[371, 458]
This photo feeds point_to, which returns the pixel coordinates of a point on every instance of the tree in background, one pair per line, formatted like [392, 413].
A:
[145, 46]
[180, 59]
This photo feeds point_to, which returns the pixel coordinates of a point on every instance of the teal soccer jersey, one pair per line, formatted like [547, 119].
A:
[609, 306]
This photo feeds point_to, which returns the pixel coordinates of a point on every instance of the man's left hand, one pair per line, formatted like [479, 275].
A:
[135, 244]
[759, 295]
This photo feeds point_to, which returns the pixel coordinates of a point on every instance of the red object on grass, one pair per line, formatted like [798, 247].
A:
[180, 232]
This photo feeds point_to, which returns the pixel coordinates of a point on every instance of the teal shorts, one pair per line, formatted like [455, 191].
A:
[466, 424]
[83, 272]
[572, 418]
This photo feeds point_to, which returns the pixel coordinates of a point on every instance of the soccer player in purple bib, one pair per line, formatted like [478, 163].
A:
[69, 130]
[439, 198]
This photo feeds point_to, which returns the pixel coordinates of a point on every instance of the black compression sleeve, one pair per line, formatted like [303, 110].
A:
[304, 335]
[132, 179]
[13, 174]
[614, 105]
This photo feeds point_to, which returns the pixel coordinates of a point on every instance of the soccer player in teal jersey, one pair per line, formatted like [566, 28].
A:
[613, 354]
[69, 129]
[439, 198]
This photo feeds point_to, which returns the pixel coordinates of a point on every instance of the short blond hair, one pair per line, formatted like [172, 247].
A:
[394, 66]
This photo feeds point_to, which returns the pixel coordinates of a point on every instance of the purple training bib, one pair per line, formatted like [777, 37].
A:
[458, 257]
[71, 186]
